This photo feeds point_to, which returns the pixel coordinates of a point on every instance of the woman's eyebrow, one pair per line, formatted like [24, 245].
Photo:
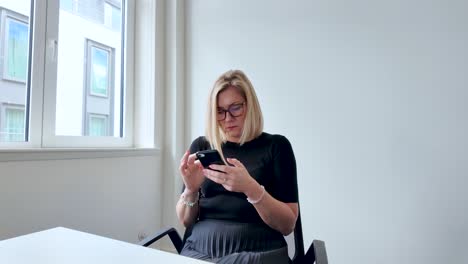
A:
[235, 103]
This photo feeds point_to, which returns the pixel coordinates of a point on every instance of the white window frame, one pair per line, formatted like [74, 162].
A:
[147, 76]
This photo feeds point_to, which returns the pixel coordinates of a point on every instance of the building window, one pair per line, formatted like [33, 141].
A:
[98, 125]
[112, 15]
[100, 89]
[107, 12]
[12, 123]
[16, 49]
[99, 70]
[68, 5]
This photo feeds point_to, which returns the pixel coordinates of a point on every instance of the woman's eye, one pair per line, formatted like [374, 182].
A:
[235, 107]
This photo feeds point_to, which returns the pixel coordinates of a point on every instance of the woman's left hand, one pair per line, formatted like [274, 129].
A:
[233, 178]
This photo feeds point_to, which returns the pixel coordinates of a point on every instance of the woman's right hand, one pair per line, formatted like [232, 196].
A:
[192, 172]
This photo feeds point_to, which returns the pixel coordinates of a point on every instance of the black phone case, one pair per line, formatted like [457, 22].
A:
[208, 157]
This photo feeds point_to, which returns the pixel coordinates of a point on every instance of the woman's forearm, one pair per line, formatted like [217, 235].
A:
[276, 214]
[187, 208]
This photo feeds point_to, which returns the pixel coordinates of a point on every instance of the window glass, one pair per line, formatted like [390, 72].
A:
[112, 16]
[116, 18]
[78, 85]
[97, 125]
[13, 130]
[14, 69]
[66, 5]
[17, 46]
[99, 71]
[89, 67]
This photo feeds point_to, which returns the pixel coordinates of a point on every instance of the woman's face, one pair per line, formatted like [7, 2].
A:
[231, 113]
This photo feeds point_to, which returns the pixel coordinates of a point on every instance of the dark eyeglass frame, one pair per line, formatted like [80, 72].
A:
[229, 110]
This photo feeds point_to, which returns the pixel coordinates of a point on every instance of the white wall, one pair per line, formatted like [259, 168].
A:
[113, 197]
[372, 95]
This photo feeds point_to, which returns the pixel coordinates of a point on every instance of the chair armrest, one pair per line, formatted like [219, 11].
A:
[173, 235]
[316, 252]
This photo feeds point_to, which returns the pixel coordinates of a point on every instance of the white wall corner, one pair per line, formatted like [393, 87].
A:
[173, 145]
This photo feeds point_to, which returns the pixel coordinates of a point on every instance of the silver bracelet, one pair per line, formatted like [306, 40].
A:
[259, 199]
[188, 203]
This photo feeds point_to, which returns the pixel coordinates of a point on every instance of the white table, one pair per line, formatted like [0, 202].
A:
[62, 245]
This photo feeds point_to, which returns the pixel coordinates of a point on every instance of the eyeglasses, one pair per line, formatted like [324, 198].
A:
[235, 110]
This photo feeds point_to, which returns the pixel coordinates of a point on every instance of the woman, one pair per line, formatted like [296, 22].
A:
[238, 213]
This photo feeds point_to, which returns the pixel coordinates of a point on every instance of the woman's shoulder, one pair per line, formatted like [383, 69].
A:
[275, 138]
[200, 143]
[277, 142]
[201, 139]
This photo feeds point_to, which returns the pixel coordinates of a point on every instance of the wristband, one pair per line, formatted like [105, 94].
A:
[259, 199]
[189, 203]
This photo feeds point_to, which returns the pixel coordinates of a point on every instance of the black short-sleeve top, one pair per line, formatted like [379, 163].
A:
[269, 159]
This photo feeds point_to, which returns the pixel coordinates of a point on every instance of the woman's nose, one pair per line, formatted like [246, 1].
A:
[229, 116]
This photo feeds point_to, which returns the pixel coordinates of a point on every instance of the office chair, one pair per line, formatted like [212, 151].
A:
[315, 254]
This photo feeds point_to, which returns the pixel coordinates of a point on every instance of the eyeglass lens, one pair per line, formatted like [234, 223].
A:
[234, 110]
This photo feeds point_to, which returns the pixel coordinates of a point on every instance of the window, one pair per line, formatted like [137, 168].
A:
[99, 89]
[78, 88]
[112, 17]
[16, 50]
[97, 125]
[67, 5]
[12, 123]
[88, 76]
[99, 70]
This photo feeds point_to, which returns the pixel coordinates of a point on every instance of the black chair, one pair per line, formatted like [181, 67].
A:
[315, 254]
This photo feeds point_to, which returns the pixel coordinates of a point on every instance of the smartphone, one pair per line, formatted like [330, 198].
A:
[208, 157]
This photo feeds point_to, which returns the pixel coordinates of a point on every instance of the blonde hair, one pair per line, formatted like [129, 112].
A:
[253, 122]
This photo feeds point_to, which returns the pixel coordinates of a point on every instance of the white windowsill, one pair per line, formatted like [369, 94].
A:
[64, 154]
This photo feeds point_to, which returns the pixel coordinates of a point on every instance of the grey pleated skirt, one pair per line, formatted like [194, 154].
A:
[231, 242]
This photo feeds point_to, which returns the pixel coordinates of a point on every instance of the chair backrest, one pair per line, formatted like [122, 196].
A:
[295, 242]
[315, 254]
